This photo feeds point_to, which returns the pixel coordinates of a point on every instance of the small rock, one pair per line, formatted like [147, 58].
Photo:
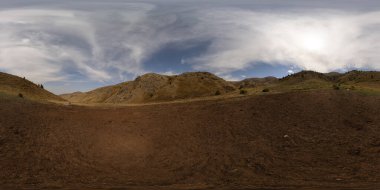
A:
[355, 151]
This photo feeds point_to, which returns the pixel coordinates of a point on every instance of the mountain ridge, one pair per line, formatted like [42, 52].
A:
[155, 87]
[152, 87]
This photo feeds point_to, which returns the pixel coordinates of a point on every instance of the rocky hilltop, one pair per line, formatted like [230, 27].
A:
[155, 87]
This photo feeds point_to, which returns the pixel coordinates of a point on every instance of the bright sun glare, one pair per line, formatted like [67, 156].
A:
[313, 42]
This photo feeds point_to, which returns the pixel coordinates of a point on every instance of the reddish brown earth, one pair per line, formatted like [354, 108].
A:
[309, 140]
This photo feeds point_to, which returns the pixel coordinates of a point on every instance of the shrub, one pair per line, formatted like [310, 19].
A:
[243, 91]
[336, 87]
[20, 95]
[265, 90]
[217, 93]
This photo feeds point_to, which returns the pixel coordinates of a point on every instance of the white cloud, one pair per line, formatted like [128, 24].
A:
[229, 77]
[169, 73]
[105, 43]
[29, 62]
[321, 41]
[31, 44]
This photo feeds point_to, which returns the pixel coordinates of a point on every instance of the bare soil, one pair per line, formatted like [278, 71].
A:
[304, 140]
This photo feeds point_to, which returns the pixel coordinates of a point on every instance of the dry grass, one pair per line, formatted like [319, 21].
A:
[157, 88]
[13, 85]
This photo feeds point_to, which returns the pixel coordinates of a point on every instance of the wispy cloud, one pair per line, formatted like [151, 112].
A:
[322, 41]
[110, 41]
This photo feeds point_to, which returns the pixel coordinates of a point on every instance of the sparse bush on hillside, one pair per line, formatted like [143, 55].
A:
[265, 90]
[336, 87]
[243, 91]
[229, 88]
[217, 93]
[20, 95]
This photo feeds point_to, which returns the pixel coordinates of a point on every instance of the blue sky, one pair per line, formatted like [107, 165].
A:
[78, 45]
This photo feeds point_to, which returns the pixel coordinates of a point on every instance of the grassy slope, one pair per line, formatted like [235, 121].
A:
[156, 88]
[14, 85]
[363, 82]
[193, 86]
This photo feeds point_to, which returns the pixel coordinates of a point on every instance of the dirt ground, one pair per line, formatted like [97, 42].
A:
[303, 140]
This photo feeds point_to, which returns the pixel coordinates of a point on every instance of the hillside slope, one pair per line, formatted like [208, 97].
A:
[255, 82]
[14, 85]
[154, 87]
[304, 139]
[360, 76]
[343, 78]
[367, 82]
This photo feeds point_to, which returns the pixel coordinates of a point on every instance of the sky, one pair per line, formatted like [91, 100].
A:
[79, 45]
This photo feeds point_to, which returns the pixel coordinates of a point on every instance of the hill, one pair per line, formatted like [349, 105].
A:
[17, 86]
[255, 82]
[154, 87]
[314, 139]
[348, 77]
[360, 76]
[306, 75]
[367, 82]
[160, 88]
